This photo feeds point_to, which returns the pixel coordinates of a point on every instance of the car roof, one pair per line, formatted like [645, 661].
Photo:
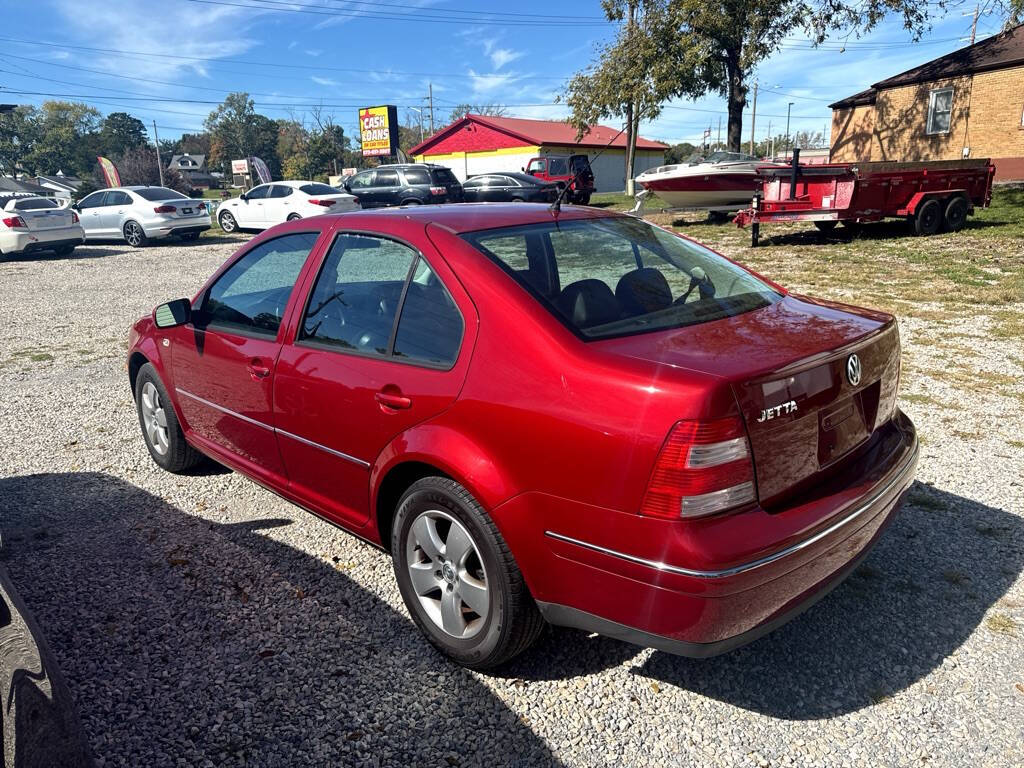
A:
[471, 217]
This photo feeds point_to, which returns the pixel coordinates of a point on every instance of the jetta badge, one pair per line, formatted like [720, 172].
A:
[853, 369]
[770, 413]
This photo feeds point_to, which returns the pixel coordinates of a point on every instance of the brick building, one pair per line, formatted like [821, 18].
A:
[478, 144]
[969, 103]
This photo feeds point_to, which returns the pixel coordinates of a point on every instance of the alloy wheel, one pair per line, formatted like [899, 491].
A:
[447, 574]
[227, 222]
[154, 418]
[133, 234]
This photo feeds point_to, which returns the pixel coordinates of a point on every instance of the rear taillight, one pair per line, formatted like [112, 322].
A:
[438, 190]
[16, 222]
[201, 207]
[324, 203]
[164, 209]
[704, 468]
[74, 217]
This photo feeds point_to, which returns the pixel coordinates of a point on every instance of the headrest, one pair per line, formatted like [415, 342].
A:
[589, 302]
[642, 291]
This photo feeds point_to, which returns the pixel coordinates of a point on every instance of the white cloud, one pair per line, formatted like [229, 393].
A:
[325, 81]
[314, 52]
[502, 56]
[292, 44]
[60, 55]
[487, 83]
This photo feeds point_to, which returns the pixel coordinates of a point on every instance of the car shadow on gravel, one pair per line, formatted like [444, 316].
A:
[919, 595]
[80, 252]
[194, 642]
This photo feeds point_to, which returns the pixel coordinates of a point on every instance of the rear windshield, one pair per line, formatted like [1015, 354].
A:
[315, 188]
[159, 193]
[579, 163]
[35, 204]
[416, 176]
[619, 276]
[444, 176]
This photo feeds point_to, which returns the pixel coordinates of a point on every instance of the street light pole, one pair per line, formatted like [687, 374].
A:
[159, 162]
[788, 110]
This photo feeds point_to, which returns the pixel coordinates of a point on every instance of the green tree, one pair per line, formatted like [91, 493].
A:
[488, 110]
[679, 153]
[61, 128]
[120, 132]
[138, 166]
[236, 130]
[715, 47]
[18, 136]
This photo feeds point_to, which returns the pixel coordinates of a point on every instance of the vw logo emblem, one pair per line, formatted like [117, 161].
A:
[853, 369]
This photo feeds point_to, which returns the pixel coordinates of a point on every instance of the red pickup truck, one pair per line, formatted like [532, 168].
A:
[571, 170]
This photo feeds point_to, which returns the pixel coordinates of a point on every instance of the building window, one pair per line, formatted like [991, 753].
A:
[940, 110]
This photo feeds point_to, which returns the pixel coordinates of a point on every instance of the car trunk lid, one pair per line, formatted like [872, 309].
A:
[42, 219]
[787, 365]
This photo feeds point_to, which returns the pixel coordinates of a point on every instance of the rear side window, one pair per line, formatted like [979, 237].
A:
[386, 179]
[119, 198]
[319, 189]
[252, 294]
[279, 190]
[415, 176]
[444, 176]
[430, 328]
[357, 293]
[159, 193]
[35, 204]
[559, 166]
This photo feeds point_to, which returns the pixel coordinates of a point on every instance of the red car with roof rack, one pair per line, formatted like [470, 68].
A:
[571, 416]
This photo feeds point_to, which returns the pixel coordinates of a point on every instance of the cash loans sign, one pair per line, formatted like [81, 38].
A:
[378, 128]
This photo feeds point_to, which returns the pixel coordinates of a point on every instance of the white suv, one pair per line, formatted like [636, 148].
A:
[139, 214]
[29, 223]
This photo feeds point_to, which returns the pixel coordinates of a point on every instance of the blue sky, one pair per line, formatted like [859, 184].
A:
[344, 54]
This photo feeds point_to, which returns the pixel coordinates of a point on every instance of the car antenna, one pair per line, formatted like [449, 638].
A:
[556, 207]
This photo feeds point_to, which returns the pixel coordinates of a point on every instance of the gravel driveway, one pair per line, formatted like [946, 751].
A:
[203, 621]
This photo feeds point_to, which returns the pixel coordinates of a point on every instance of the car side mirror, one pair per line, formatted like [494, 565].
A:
[173, 313]
[243, 197]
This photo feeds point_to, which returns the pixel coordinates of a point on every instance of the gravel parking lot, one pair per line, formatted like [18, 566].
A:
[204, 621]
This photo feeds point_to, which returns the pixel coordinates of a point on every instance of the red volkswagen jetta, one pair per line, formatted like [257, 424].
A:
[573, 417]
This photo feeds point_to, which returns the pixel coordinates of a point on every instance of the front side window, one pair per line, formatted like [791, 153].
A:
[356, 296]
[386, 179]
[258, 193]
[536, 166]
[92, 201]
[252, 294]
[940, 110]
[361, 180]
[617, 276]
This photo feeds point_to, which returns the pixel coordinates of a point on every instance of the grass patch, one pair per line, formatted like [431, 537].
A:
[1001, 624]
[919, 399]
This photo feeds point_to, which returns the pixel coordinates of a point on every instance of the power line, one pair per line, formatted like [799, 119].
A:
[287, 6]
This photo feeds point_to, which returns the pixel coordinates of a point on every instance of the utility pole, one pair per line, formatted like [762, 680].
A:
[159, 162]
[770, 144]
[718, 143]
[974, 23]
[753, 119]
[430, 95]
[788, 110]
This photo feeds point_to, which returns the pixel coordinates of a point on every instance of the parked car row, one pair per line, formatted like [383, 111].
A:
[30, 223]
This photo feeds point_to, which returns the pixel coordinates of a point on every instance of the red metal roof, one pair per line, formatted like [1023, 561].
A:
[529, 132]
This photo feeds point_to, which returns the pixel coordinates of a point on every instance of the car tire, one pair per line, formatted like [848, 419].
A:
[227, 222]
[518, 200]
[293, 217]
[583, 199]
[160, 429]
[928, 218]
[134, 234]
[955, 215]
[446, 595]
[409, 203]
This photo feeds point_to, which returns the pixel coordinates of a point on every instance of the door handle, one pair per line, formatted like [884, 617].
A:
[393, 400]
[258, 369]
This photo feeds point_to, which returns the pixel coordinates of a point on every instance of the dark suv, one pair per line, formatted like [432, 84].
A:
[407, 184]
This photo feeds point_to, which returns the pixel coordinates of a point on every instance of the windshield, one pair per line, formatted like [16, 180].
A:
[619, 276]
[159, 193]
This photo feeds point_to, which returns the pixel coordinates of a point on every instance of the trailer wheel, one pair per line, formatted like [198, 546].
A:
[826, 226]
[956, 214]
[928, 218]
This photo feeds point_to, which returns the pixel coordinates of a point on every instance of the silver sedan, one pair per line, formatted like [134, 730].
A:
[139, 214]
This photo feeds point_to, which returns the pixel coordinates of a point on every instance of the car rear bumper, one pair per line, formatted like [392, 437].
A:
[177, 227]
[45, 240]
[692, 609]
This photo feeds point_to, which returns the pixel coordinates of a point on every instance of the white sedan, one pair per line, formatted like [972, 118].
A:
[269, 204]
[139, 214]
[29, 223]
